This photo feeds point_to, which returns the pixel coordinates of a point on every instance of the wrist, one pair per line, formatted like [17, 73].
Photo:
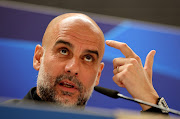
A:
[151, 99]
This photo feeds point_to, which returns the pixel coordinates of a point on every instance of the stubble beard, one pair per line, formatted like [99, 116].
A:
[46, 86]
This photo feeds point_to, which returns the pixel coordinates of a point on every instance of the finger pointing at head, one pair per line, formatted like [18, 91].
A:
[123, 47]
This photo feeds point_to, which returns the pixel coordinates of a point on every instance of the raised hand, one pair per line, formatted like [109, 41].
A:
[130, 73]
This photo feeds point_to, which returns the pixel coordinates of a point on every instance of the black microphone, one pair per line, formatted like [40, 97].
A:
[108, 92]
[115, 94]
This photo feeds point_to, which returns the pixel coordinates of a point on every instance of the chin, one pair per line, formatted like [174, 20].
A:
[71, 102]
[66, 101]
[70, 105]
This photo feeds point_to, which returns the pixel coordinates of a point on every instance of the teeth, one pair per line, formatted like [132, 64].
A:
[65, 84]
[68, 86]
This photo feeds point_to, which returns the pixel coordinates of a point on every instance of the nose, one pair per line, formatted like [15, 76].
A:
[72, 67]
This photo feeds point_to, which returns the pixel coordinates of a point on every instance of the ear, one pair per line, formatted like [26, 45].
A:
[99, 73]
[37, 57]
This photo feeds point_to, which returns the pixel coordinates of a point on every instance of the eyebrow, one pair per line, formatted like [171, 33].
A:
[63, 42]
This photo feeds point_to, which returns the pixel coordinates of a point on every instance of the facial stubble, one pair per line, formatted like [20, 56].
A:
[47, 84]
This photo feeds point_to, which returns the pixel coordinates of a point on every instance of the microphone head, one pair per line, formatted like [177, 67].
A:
[107, 92]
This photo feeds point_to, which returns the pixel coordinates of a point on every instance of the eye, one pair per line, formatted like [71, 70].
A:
[64, 51]
[88, 58]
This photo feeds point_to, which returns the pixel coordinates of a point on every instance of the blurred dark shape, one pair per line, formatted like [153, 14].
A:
[161, 11]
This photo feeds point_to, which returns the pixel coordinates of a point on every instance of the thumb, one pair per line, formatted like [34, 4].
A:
[149, 64]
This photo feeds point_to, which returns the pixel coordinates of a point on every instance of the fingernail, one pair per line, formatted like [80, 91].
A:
[108, 41]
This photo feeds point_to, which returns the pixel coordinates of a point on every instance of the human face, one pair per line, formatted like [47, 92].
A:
[70, 66]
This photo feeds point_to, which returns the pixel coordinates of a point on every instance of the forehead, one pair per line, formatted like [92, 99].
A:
[81, 28]
[78, 31]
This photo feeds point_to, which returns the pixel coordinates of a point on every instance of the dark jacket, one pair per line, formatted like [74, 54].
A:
[33, 98]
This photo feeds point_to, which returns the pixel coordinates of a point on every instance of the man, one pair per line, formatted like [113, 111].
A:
[69, 64]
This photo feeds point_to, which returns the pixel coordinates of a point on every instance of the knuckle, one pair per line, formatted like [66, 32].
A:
[130, 67]
[123, 45]
[133, 61]
[114, 71]
[137, 58]
[114, 60]
[114, 79]
[147, 69]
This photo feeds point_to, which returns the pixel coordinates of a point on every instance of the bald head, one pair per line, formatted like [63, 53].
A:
[80, 22]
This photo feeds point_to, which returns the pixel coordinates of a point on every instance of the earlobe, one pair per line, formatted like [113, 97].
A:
[99, 72]
[37, 57]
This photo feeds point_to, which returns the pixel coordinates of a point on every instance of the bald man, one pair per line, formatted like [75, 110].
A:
[69, 64]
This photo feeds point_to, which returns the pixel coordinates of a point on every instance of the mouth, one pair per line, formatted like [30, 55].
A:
[68, 86]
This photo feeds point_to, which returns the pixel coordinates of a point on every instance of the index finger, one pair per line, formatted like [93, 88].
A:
[123, 47]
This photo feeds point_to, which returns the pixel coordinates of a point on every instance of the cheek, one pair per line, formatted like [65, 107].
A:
[52, 66]
[89, 77]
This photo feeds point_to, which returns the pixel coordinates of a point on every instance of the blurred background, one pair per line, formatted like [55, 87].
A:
[142, 24]
[159, 11]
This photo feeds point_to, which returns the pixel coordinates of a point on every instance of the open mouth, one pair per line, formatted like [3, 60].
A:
[67, 85]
